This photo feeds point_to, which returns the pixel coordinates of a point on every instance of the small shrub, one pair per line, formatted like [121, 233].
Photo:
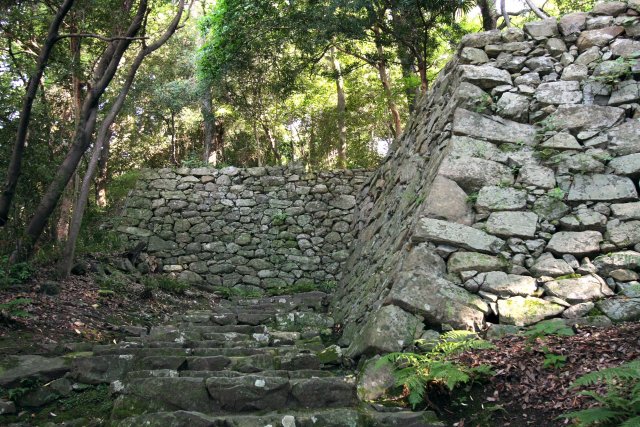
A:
[14, 309]
[279, 218]
[165, 283]
[14, 274]
[548, 327]
[619, 402]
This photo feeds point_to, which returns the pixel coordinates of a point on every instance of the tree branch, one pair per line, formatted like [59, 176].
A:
[99, 37]
[536, 10]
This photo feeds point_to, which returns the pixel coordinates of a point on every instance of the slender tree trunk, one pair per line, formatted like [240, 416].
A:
[174, 148]
[70, 192]
[341, 108]
[103, 173]
[489, 14]
[105, 70]
[273, 145]
[15, 164]
[209, 120]
[101, 147]
[381, 65]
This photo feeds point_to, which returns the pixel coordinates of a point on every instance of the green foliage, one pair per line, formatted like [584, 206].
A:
[279, 218]
[14, 274]
[569, 276]
[418, 373]
[552, 360]
[165, 283]
[14, 309]
[548, 327]
[618, 404]
[556, 193]
[193, 160]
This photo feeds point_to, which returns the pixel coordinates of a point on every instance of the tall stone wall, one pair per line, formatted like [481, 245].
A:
[249, 229]
[512, 196]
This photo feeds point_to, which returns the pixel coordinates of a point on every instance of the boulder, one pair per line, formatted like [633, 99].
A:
[623, 139]
[506, 285]
[599, 37]
[602, 187]
[577, 118]
[493, 128]
[626, 165]
[572, 24]
[551, 267]
[578, 290]
[539, 30]
[539, 176]
[621, 309]
[14, 369]
[493, 198]
[512, 224]
[625, 234]
[389, 329]
[575, 243]
[436, 300]
[521, 311]
[605, 264]
[484, 76]
[446, 200]
[470, 238]
[626, 210]
[471, 174]
[562, 92]
[474, 261]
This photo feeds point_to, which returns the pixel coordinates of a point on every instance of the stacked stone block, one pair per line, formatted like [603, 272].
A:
[250, 229]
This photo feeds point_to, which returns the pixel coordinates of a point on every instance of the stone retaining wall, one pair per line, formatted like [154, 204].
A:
[512, 196]
[249, 229]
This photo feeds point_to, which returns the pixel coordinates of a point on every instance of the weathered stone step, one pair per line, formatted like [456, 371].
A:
[319, 418]
[107, 368]
[159, 373]
[182, 351]
[339, 417]
[232, 395]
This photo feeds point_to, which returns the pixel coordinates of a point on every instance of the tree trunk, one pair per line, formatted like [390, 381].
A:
[341, 108]
[103, 173]
[489, 14]
[15, 164]
[101, 147]
[381, 65]
[209, 121]
[105, 70]
[273, 145]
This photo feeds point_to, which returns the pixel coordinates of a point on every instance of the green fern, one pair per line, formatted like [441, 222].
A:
[417, 373]
[620, 405]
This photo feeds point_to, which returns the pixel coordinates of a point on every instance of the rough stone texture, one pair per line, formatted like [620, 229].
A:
[544, 153]
[601, 187]
[621, 309]
[521, 311]
[516, 224]
[390, 329]
[466, 237]
[255, 228]
[575, 243]
[579, 290]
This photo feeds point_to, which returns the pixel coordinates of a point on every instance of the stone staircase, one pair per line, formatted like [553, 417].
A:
[251, 362]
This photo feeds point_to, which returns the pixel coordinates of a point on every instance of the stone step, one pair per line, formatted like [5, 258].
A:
[246, 393]
[339, 417]
[159, 373]
[107, 368]
[318, 418]
[198, 351]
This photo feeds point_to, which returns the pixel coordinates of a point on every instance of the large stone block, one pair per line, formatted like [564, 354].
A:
[493, 128]
[600, 187]
[470, 238]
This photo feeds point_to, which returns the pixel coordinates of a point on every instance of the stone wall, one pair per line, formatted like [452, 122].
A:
[512, 196]
[249, 229]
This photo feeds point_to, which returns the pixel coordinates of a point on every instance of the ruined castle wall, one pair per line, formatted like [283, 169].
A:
[512, 196]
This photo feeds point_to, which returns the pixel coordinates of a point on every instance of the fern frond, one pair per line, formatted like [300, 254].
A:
[628, 371]
[591, 416]
[631, 422]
